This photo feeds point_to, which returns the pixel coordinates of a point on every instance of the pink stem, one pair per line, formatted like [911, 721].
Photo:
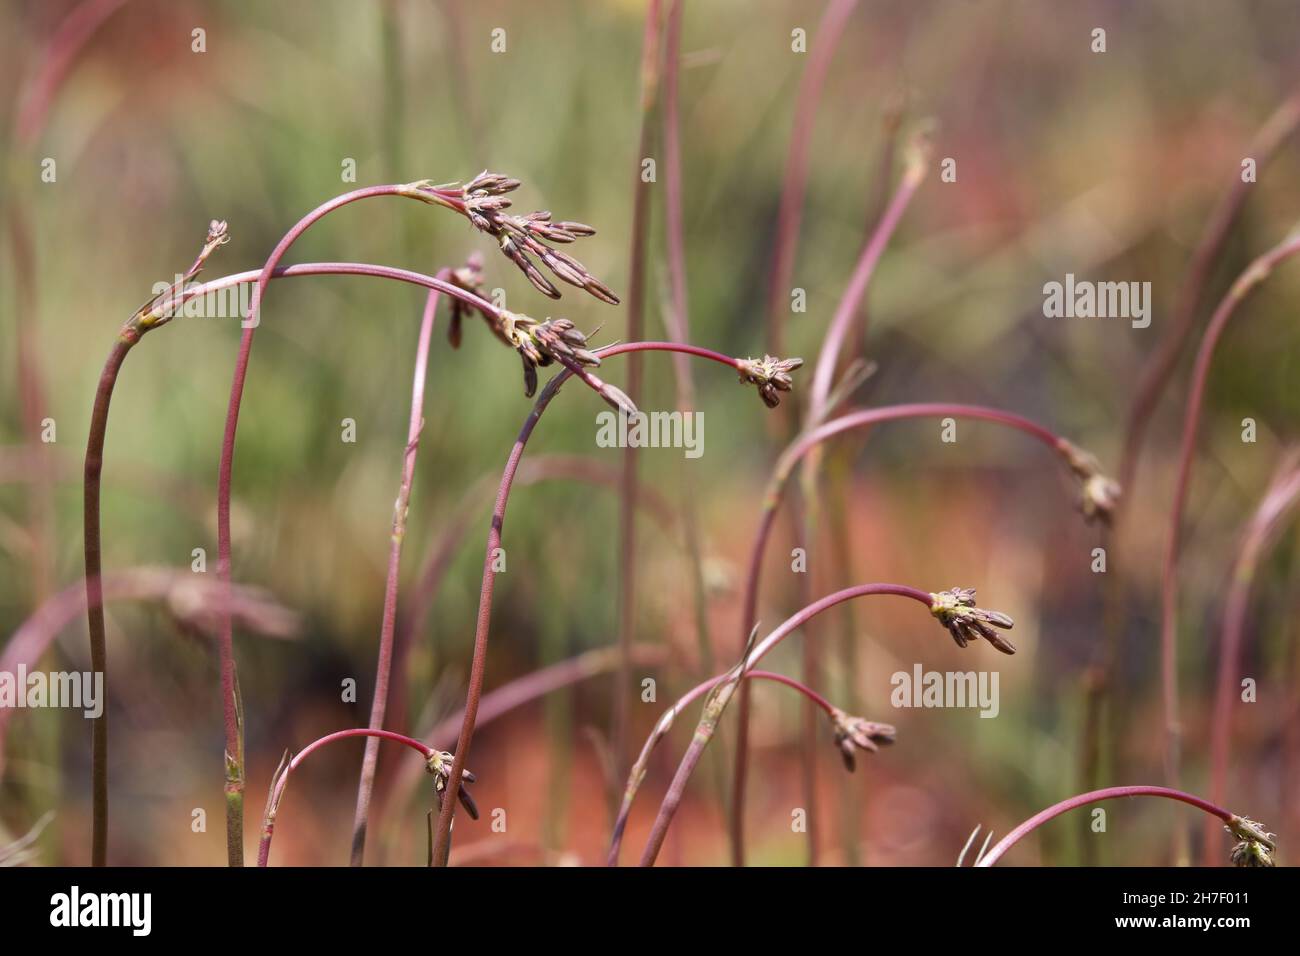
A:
[71, 36]
[790, 215]
[656, 735]
[234, 742]
[851, 302]
[388, 622]
[802, 445]
[691, 759]
[626, 594]
[1254, 274]
[1038, 819]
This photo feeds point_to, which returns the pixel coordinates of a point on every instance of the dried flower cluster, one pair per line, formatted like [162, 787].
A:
[1255, 845]
[855, 733]
[1100, 494]
[468, 277]
[956, 611]
[771, 375]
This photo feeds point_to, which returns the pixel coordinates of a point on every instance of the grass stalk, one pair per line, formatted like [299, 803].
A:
[479, 659]
[383, 667]
[1098, 494]
[1254, 842]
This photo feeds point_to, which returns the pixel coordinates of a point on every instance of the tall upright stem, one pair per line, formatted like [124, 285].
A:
[1109, 793]
[790, 213]
[802, 446]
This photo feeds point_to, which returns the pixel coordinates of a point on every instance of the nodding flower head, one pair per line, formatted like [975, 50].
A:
[1100, 495]
[541, 343]
[483, 202]
[956, 611]
[854, 733]
[439, 764]
[1255, 846]
[771, 375]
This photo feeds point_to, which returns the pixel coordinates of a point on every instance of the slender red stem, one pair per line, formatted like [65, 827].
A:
[1278, 503]
[520, 691]
[703, 734]
[855, 292]
[234, 735]
[635, 332]
[1158, 370]
[94, 588]
[38, 632]
[1254, 274]
[1109, 793]
[802, 446]
[790, 214]
[661, 730]
[482, 626]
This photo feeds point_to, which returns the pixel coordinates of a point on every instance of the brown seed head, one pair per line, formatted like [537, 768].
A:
[956, 610]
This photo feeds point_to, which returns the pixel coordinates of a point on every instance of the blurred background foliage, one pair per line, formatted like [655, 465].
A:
[1104, 165]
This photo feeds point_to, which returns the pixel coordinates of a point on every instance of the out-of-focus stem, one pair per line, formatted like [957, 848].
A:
[1109, 793]
[1152, 383]
[286, 768]
[383, 669]
[1160, 366]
